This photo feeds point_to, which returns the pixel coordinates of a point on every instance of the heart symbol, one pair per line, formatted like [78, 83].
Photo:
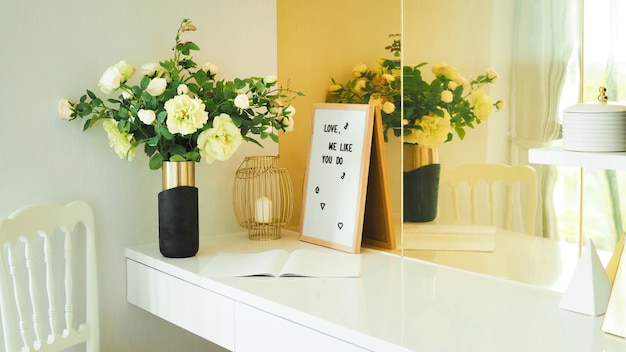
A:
[322, 205]
[340, 225]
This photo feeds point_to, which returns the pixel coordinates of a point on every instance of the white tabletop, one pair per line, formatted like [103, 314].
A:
[399, 303]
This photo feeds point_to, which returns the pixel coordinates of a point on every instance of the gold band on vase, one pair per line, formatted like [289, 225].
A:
[416, 156]
[178, 173]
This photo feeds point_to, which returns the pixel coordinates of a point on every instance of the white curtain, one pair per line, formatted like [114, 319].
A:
[546, 40]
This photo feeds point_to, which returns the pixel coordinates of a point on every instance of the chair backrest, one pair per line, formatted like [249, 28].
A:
[48, 284]
[500, 193]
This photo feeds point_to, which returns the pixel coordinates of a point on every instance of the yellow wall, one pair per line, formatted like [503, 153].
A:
[318, 40]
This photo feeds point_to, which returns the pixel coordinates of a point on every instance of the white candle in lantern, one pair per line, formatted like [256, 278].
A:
[263, 210]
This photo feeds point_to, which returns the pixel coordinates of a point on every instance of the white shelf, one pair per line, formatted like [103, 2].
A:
[558, 156]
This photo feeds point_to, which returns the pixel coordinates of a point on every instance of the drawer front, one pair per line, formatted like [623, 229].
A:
[258, 331]
[193, 308]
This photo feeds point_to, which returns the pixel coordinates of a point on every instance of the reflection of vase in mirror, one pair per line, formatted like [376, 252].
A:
[420, 183]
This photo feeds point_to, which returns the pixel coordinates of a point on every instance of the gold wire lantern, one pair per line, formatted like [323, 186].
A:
[262, 197]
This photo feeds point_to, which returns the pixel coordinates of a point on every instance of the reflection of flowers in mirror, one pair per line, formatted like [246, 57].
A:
[380, 86]
[432, 110]
[449, 103]
[181, 112]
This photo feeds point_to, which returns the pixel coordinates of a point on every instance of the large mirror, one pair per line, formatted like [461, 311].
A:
[537, 49]
[534, 46]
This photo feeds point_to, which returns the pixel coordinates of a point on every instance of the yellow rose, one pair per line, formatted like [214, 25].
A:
[446, 96]
[444, 70]
[434, 132]
[335, 88]
[492, 75]
[388, 78]
[482, 105]
[388, 107]
[359, 70]
[358, 87]
[461, 81]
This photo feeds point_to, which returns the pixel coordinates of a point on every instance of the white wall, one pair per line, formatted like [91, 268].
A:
[55, 49]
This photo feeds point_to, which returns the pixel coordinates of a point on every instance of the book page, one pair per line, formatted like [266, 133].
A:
[267, 263]
[310, 263]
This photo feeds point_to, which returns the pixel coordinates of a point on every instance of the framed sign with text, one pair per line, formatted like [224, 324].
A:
[335, 184]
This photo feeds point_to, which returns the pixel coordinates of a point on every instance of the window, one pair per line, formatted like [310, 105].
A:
[604, 60]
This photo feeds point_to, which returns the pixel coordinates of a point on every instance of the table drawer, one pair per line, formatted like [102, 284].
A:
[258, 331]
[193, 308]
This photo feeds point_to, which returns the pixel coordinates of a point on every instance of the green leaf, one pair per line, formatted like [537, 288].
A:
[177, 157]
[144, 82]
[156, 161]
[161, 116]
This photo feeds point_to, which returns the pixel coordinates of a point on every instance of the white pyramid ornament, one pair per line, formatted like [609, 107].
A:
[589, 289]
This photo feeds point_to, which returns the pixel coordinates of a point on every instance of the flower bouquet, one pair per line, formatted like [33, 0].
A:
[181, 112]
[432, 112]
[380, 86]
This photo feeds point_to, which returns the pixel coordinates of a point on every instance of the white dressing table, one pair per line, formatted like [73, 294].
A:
[399, 304]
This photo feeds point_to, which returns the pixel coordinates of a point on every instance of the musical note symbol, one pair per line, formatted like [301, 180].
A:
[343, 175]
[346, 126]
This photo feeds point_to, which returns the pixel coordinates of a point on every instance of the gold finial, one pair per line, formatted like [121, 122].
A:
[602, 97]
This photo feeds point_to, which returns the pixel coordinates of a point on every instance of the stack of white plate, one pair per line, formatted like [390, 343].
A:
[595, 127]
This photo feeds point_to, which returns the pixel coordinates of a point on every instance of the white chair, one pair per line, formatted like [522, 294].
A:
[48, 284]
[490, 194]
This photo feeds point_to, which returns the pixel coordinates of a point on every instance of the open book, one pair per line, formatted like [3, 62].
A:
[278, 262]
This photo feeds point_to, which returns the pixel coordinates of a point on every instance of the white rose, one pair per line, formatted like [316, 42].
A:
[156, 86]
[65, 109]
[388, 107]
[110, 80]
[126, 70]
[286, 118]
[182, 89]
[146, 116]
[152, 70]
[185, 115]
[242, 101]
[210, 69]
[121, 142]
[270, 80]
[221, 141]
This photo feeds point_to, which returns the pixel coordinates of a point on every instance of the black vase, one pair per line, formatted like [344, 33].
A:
[421, 193]
[420, 183]
[178, 211]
